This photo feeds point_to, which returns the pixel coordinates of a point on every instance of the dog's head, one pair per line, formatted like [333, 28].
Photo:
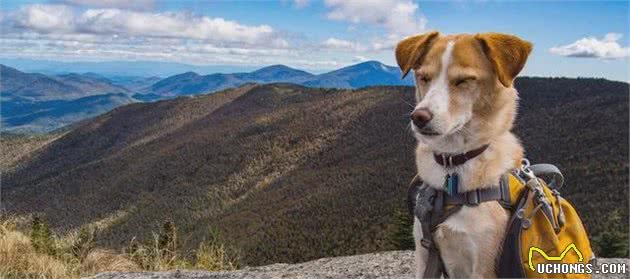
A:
[463, 86]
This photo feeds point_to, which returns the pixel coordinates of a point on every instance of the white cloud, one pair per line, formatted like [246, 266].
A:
[591, 47]
[72, 33]
[398, 17]
[63, 19]
[120, 4]
[63, 32]
[339, 44]
[44, 18]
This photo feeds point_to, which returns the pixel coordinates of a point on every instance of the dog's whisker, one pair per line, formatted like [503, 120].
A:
[405, 101]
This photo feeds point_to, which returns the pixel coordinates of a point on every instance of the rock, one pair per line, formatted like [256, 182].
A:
[394, 264]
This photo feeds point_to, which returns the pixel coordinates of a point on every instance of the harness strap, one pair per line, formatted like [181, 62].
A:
[434, 267]
[432, 207]
[473, 198]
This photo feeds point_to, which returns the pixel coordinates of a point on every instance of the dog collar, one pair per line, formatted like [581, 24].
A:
[448, 160]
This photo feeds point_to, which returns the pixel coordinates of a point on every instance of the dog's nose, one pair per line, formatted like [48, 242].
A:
[421, 117]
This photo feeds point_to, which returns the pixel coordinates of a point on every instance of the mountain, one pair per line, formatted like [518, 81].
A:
[278, 73]
[115, 68]
[37, 103]
[368, 73]
[192, 83]
[289, 173]
[91, 84]
[16, 84]
[40, 103]
[24, 91]
[134, 83]
[23, 116]
[360, 75]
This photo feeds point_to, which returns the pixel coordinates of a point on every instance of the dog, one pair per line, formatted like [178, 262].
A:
[465, 101]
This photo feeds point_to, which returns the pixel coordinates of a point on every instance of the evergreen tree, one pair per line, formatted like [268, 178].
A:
[613, 242]
[41, 237]
[402, 236]
[168, 240]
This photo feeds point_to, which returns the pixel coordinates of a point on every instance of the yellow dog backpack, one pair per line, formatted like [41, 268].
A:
[545, 237]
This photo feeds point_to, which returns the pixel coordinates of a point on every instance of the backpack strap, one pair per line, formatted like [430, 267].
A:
[550, 173]
[432, 207]
[500, 193]
[434, 267]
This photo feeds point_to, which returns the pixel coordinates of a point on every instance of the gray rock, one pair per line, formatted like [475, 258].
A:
[394, 264]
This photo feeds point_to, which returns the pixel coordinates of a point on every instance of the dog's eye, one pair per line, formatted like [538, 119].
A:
[462, 81]
[424, 79]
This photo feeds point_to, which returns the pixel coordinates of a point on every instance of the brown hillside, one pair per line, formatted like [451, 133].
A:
[289, 173]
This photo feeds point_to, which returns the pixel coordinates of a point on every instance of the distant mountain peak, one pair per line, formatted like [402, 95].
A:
[373, 64]
[275, 67]
[280, 73]
[187, 74]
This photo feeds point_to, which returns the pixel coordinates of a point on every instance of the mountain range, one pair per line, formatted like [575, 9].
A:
[115, 68]
[289, 173]
[356, 76]
[37, 102]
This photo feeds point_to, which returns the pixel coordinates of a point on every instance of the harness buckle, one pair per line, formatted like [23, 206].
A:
[426, 243]
[473, 198]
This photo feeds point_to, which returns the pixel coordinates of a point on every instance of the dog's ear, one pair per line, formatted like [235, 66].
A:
[507, 53]
[410, 51]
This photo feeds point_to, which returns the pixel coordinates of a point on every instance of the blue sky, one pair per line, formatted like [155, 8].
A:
[588, 39]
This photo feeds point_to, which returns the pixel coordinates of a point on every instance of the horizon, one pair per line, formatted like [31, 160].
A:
[315, 73]
[315, 36]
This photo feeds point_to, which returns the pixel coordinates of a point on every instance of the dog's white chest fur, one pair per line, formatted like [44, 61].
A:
[468, 241]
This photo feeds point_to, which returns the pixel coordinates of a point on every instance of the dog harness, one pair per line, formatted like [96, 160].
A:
[539, 216]
[432, 207]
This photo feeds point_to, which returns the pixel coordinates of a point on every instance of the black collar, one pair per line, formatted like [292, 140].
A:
[448, 160]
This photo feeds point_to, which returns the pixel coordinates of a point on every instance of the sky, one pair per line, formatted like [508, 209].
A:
[586, 39]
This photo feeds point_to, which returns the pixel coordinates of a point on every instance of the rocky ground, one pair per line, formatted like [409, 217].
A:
[395, 264]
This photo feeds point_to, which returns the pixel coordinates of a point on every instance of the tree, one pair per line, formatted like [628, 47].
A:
[167, 242]
[613, 242]
[402, 236]
[41, 237]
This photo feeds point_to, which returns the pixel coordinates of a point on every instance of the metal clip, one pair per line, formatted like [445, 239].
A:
[527, 220]
[473, 198]
[526, 170]
[561, 218]
[426, 243]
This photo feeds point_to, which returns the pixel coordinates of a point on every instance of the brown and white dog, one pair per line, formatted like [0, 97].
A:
[465, 100]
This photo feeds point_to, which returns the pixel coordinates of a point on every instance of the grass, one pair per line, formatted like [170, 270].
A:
[41, 254]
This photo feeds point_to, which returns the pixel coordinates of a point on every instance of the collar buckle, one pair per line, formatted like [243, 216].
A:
[473, 198]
